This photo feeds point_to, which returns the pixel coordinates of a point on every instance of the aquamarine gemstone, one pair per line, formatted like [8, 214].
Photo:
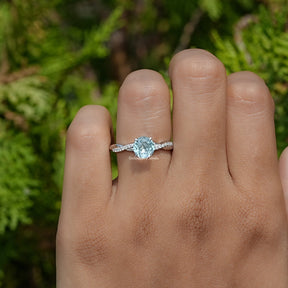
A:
[143, 147]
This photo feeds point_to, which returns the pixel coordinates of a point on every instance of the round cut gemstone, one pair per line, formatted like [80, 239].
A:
[143, 147]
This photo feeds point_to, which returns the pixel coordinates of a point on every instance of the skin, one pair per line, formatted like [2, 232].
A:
[209, 214]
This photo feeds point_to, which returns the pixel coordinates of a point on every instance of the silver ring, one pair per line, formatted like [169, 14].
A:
[143, 147]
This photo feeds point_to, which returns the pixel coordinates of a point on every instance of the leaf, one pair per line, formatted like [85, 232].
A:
[212, 7]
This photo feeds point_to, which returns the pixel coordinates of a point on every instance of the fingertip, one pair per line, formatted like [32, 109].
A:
[204, 63]
[91, 122]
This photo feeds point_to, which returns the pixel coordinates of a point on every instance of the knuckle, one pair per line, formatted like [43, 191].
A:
[82, 133]
[78, 133]
[92, 110]
[86, 241]
[144, 87]
[90, 242]
[247, 88]
[142, 228]
[142, 75]
[260, 223]
[90, 247]
[194, 216]
[196, 63]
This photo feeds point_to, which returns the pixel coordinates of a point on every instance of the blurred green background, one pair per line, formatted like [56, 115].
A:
[58, 55]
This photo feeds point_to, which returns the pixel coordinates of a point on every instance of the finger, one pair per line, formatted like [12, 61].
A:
[251, 144]
[87, 174]
[143, 110]
[199, 110]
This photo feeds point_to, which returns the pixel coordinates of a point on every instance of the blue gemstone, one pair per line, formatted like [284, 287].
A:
[143, 147]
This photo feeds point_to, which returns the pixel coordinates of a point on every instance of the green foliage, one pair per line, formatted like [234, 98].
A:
[213, 8]
[43, 83]
[26, 97]
[13, 206]
[91, 44]
[59, 55]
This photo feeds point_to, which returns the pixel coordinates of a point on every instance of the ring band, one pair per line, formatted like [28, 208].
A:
[143, 147]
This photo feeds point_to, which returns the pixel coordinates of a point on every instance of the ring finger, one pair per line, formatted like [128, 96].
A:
[143, 110]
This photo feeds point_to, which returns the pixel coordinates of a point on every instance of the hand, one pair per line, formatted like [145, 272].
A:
[210, 213]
